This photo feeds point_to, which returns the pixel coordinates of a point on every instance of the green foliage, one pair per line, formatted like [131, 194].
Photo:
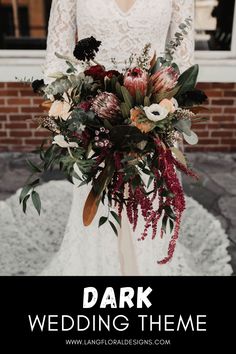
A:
[187, 81]
[174, 43]
[36, 201]
[128, 99]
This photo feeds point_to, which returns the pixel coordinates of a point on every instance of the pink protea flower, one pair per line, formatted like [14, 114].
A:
[106, 105]
[164, 80]
[136, 79]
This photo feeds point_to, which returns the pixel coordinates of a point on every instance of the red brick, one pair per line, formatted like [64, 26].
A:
[15, 84]
[27, 93]
[31, 110]
[202, 133]
[16, 126]
[214, 93]
[208, 141]
[230, 93]
[35, 142]
[216, 110]
[7, 93]
[3, 118]
[20, 117]
[228, 141]
[18, 101]
[11, 141]
[20, 133]
[228, 126]
[2, 101]
[33, 125]
[3, 133]
[42, 134]
[2, 84]
[204, 85]
[37, 101]
[222, 133]
[223, 85]
[223, 118]
[223, 102]
[230, 110]
[8, 109]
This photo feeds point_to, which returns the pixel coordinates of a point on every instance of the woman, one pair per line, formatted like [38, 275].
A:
[124, 27]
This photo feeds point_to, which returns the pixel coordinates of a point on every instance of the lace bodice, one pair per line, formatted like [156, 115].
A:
[122, 33]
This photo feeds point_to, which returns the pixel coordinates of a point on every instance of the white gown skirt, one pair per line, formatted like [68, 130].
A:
[90, 250]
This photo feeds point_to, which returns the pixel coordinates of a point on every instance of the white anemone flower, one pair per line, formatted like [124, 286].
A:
[60, 141]
[156, 113]
[175, 103]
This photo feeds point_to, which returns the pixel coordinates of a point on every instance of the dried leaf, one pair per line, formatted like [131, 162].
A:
[153, 61]
[90, 207]
[46, 105]
[179, 156]
[199, 109]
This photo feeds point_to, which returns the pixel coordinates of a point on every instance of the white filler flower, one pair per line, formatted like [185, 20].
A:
[155, 112]
[60, 141]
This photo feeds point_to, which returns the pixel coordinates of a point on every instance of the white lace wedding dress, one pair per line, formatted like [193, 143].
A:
[92, 251]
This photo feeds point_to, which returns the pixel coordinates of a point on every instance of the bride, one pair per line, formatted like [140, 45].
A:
[125, 26]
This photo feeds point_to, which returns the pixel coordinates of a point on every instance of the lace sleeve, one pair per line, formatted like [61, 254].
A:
[181, 9]
[61, 35]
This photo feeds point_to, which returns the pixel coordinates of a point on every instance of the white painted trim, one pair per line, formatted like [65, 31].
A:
[21, 53]
[218, 70]
[211, 70]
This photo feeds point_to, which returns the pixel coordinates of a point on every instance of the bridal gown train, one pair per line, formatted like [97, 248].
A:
[93, 251]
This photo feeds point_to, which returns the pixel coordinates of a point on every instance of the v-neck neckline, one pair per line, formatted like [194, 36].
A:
[125, 13]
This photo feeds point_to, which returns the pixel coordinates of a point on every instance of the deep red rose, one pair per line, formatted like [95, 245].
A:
[97, 72]
[111, 73]
[86, 105]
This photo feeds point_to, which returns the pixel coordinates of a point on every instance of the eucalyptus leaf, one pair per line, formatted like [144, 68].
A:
[171, 224]
[170, 212]
[116, 217]
[24, 203]
[191, 139]
[27, 189]
[183, 126]
[36, 201]
[164, 223]
[34, 168]
[102, 221]
[113, 228]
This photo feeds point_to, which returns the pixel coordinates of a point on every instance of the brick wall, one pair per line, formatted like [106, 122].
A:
[18, 105]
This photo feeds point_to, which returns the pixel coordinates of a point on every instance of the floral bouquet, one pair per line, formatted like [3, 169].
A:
[119, 132]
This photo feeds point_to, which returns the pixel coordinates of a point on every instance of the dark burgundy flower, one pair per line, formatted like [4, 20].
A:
[86, 49]
[86, 105]
[111, 73]
[97, 72]
[37, 85]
